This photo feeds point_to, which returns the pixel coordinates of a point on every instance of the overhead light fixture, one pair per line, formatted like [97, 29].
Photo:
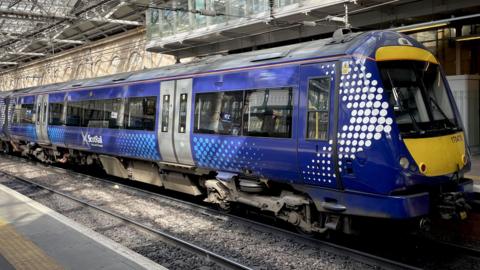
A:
[419, 27]
[466, 38]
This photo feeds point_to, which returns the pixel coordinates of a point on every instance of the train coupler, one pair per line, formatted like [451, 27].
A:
[453, 205]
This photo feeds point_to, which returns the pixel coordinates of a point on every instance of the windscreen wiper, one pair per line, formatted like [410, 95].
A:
[414, 122]
[399, 102]
[442, 112]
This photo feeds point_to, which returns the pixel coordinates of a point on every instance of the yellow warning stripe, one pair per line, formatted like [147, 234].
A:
[22, 253]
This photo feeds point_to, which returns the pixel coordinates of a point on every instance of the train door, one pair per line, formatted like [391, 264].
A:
[3, 116]
[174, 121]
[165, 134]
[42, 119]
[317, 153]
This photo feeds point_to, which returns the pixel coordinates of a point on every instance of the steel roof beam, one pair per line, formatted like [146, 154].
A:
[26, 53]
[8, 63]
[14, 3]
[114, 9]
[105, 20]
[27, 15]
[55, 40]
[36, 15]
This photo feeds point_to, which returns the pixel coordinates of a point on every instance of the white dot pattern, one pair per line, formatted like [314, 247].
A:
[361, 95]
[368, 120]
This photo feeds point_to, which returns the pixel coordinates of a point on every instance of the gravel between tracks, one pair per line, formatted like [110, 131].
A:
[241, 242]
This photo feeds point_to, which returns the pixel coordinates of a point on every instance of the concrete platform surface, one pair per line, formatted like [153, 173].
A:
[474, 172]
[33, 236]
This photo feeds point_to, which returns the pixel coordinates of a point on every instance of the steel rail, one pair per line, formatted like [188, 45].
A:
[337, 249]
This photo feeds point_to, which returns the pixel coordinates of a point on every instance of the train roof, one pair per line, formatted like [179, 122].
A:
[363, 43]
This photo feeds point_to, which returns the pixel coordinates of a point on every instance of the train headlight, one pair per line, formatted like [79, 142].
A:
[404, 163]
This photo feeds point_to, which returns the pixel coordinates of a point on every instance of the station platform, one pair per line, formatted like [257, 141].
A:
[33, 236]
[474, 173]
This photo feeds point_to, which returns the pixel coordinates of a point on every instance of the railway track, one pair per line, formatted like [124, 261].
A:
[354, 254]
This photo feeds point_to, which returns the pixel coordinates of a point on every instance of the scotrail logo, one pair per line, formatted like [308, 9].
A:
[89, 140]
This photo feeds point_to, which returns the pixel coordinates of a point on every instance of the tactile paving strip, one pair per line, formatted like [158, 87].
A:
[22, 253]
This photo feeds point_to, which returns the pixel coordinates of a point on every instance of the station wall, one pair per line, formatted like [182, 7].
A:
[125, 52]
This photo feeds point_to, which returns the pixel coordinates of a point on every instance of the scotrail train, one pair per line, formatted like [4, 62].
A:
[318, 133]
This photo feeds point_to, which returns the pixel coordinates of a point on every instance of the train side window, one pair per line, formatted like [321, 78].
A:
[93, 114]
[112, 114]
[219, 113]
[55, 112]
[318, 108]
[140, 113]
[16, 112]
[182, 120]
[268, 113]
[165, 112]
[27, 114]
[74, 114]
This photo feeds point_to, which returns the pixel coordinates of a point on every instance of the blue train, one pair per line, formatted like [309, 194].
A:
[318, 133]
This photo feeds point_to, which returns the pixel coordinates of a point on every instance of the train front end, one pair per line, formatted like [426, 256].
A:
[417, 148]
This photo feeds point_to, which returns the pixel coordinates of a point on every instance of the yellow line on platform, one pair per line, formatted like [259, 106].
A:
[22, 253]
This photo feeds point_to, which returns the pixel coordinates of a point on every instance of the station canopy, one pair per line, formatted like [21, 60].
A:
[32, 29]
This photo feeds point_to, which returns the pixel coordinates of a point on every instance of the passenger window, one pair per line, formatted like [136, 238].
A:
[318, 108]
[26, 114]
[182, 123]
[165, 112]
[268, 113]
[93, 114]
[140, 113]
[219, 113]
[55, 113]
[74, 113]
[16, 113]
[112, 112]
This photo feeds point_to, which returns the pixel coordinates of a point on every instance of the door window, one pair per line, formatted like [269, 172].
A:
[318, 108]
[165, 112]
[182, 123]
